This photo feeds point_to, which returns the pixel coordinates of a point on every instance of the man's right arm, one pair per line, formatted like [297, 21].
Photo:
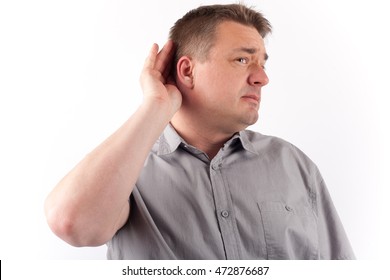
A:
[90, 203]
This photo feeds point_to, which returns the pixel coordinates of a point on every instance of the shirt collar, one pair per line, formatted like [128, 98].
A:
[170, 140]
[246, 142]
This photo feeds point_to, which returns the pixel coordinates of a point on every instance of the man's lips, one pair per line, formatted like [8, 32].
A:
[255, 97]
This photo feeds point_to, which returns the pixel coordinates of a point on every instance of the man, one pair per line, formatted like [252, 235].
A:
[182, 178]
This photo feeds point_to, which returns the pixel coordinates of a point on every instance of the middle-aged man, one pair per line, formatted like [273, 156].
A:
[182, 178]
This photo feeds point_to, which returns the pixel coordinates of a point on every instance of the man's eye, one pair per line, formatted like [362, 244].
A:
[242, 60]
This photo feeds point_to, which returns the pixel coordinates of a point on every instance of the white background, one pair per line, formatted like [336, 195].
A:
[69, 77]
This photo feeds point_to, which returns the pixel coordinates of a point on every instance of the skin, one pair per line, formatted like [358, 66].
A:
[207, 103]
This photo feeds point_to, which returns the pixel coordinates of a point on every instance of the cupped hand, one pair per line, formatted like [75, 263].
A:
[156, 79]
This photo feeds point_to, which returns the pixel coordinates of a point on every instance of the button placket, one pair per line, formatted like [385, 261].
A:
[223, 207]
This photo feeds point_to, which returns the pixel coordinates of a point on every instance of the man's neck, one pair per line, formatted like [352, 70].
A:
[202, 136]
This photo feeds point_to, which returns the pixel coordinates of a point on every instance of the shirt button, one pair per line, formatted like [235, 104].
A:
[225, 213]
[216, 166]
[288, 208]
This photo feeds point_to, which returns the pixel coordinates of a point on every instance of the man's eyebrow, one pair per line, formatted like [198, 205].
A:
[251, 51]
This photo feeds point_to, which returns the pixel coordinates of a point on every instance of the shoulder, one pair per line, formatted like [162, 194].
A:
[261, 140]
[277, 149]
[267, 143]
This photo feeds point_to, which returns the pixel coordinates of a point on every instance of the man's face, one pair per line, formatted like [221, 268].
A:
[227, 86]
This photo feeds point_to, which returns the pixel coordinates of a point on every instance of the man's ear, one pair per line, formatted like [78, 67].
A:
[184, 70]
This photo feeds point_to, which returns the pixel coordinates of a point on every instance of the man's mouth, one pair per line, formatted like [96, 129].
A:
[252, 97]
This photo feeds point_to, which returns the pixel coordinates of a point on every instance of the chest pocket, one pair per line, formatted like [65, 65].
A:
[290, 231]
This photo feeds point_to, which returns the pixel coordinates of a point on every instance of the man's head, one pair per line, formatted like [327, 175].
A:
[219, 66]
[194, 34]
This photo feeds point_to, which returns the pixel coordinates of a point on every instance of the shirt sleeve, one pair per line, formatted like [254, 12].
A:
[332, 239]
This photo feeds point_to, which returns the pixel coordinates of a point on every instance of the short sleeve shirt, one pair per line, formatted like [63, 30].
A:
[259, 198]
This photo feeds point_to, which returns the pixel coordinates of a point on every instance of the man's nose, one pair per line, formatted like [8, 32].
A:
[258, 77]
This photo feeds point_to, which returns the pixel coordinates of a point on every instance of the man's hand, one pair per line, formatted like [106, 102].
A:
[156, 81]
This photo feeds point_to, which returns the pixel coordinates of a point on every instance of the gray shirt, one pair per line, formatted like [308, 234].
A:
[258, 198]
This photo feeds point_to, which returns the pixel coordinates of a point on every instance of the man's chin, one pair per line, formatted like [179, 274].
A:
[248, 121]
[253, 118]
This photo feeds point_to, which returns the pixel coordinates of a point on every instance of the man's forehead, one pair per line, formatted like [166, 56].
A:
[239, 34]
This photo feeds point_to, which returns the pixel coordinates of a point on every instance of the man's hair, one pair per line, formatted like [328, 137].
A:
[194, 34]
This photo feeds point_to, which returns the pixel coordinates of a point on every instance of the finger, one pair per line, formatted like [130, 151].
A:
[150, 60]
[167, 70]
[164, 57]
[168, 75]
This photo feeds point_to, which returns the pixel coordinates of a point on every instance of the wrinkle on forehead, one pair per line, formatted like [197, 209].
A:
[250, 51]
